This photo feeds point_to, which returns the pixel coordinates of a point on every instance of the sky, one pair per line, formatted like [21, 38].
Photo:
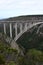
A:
[12, 8]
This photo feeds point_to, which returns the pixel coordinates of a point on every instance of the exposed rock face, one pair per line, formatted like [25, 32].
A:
[14, 45]
[20, 49]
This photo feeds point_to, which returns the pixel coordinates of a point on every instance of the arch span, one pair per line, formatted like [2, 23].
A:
[29, 27]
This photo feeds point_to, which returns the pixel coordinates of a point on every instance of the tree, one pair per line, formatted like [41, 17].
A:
[33, 56]
[2, 59]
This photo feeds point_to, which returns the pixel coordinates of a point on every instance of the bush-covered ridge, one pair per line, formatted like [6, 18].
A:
[25, 17]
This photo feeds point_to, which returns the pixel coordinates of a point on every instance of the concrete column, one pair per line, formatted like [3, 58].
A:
[25, 26]
[4, 28]
[11, 30]
[21, 27]
[15, 29]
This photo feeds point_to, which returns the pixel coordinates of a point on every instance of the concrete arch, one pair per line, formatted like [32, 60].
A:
[39, 28]
[29, 27]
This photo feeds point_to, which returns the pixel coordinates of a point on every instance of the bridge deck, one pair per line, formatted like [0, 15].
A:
[21, 21]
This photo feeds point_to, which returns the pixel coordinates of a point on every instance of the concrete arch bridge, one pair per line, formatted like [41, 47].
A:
[22, 26]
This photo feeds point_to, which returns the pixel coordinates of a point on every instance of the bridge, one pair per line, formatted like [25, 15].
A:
[21, 26]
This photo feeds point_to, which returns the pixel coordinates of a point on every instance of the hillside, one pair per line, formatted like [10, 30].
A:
[9, 56]
[25, 18]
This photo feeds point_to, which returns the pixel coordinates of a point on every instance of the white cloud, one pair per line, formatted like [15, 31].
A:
[9, 4]
[21, 7]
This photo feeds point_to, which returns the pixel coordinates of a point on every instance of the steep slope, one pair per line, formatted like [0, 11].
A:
[9, 56]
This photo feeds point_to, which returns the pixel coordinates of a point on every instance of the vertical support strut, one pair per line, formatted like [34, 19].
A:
[25, 26]
[11, 30]
[4, 28]
[15, 29]
[21, 27]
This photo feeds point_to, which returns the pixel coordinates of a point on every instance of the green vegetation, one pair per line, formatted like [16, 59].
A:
[11, 63]
[7, 54]
[2, 60]
[10, 56]
[32, 57]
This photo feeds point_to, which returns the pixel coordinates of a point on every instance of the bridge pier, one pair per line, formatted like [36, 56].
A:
[11, 30]
[25, 26]
[16, 30]
[20, 27]
[4, 28]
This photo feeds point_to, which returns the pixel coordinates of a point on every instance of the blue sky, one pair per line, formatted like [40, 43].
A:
[11, 8]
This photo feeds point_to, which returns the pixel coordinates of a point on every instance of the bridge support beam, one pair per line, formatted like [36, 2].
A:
[20, 27]
[11, 30]
[25, 26]
[16, 30]
[39, 28]
[4, 28]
